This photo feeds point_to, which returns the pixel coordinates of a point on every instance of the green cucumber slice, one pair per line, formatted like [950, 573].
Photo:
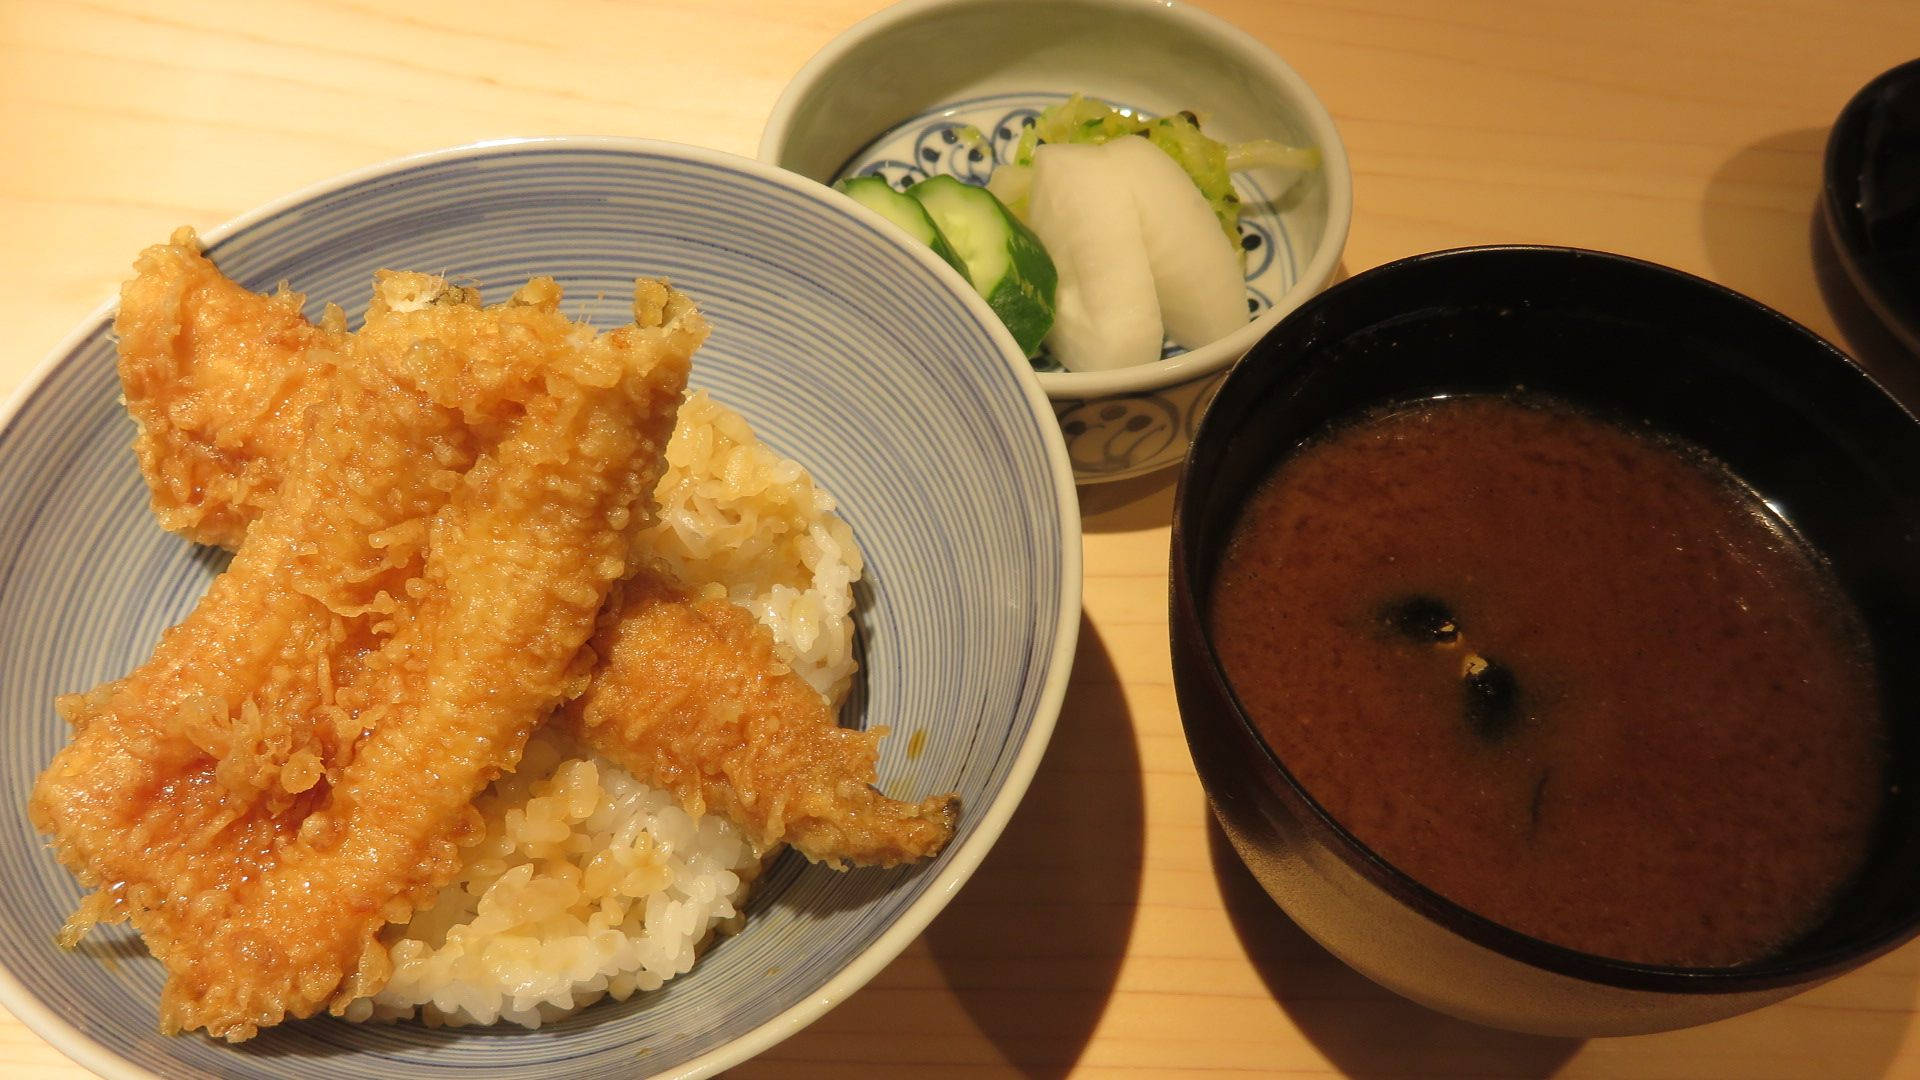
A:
[1006, 263]
[874, 193]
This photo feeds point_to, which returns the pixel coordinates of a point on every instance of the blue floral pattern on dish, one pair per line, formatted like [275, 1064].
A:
[968, 139]
[1117, 434]
[1110, 438]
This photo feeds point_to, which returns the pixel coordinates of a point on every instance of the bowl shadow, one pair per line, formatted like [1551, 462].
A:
[1766, 235]
[1753, 216]
[1016, 974]
[1363, 1028]
[1131, 505]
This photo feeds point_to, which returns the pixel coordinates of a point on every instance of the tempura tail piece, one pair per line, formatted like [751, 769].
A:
[220, 381]
[295, 766]
[691, 697]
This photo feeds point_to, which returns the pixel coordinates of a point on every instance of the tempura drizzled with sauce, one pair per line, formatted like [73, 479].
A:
[429, 518]
[295, 767]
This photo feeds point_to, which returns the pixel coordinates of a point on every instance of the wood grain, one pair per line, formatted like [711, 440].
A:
[1110, 933]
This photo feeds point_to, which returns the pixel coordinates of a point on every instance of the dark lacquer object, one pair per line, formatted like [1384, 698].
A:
[1872, 197]
[1790, 414]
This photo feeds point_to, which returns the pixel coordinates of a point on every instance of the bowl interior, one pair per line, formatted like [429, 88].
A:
[841, 345]
[1793, 417]
[971, 57]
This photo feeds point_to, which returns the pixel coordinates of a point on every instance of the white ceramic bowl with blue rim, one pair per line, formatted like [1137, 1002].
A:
[895, 93]
[846, 347]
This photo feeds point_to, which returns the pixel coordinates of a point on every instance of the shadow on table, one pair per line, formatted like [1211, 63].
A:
[1753, 217]
[1032, 948]
[1765, 235]
[1363, 1028]
[1131, 505]
[1015, 975]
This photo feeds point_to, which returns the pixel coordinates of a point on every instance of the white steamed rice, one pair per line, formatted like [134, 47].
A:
[587, 883]
[735, 513]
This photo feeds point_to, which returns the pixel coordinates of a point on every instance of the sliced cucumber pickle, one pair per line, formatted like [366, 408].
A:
[874, 193]
[1005, 261]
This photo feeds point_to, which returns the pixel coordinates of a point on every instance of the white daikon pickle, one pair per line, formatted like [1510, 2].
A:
[1196, 271]
[1106, 314]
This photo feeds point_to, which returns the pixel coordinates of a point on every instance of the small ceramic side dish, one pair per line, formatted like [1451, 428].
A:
[932, 87]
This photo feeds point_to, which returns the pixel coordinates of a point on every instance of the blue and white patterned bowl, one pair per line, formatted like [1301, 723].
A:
[846, 347]
[895, 93]
[967, 140]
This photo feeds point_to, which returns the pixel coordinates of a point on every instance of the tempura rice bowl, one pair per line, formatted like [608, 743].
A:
[846, 349]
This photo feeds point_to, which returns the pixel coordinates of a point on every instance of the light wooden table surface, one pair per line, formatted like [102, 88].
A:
[1111, 933]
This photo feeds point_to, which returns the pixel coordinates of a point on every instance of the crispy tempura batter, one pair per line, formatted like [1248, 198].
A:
[822, 804]
[219, 380]
[295, 766]
[690, 696]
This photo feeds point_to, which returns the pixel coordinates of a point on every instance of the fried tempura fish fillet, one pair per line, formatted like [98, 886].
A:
[237, 435]
[295, 766]
[220, 380]
[691, 696]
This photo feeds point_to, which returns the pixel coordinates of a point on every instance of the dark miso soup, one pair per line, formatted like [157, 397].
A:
[1574, 678]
